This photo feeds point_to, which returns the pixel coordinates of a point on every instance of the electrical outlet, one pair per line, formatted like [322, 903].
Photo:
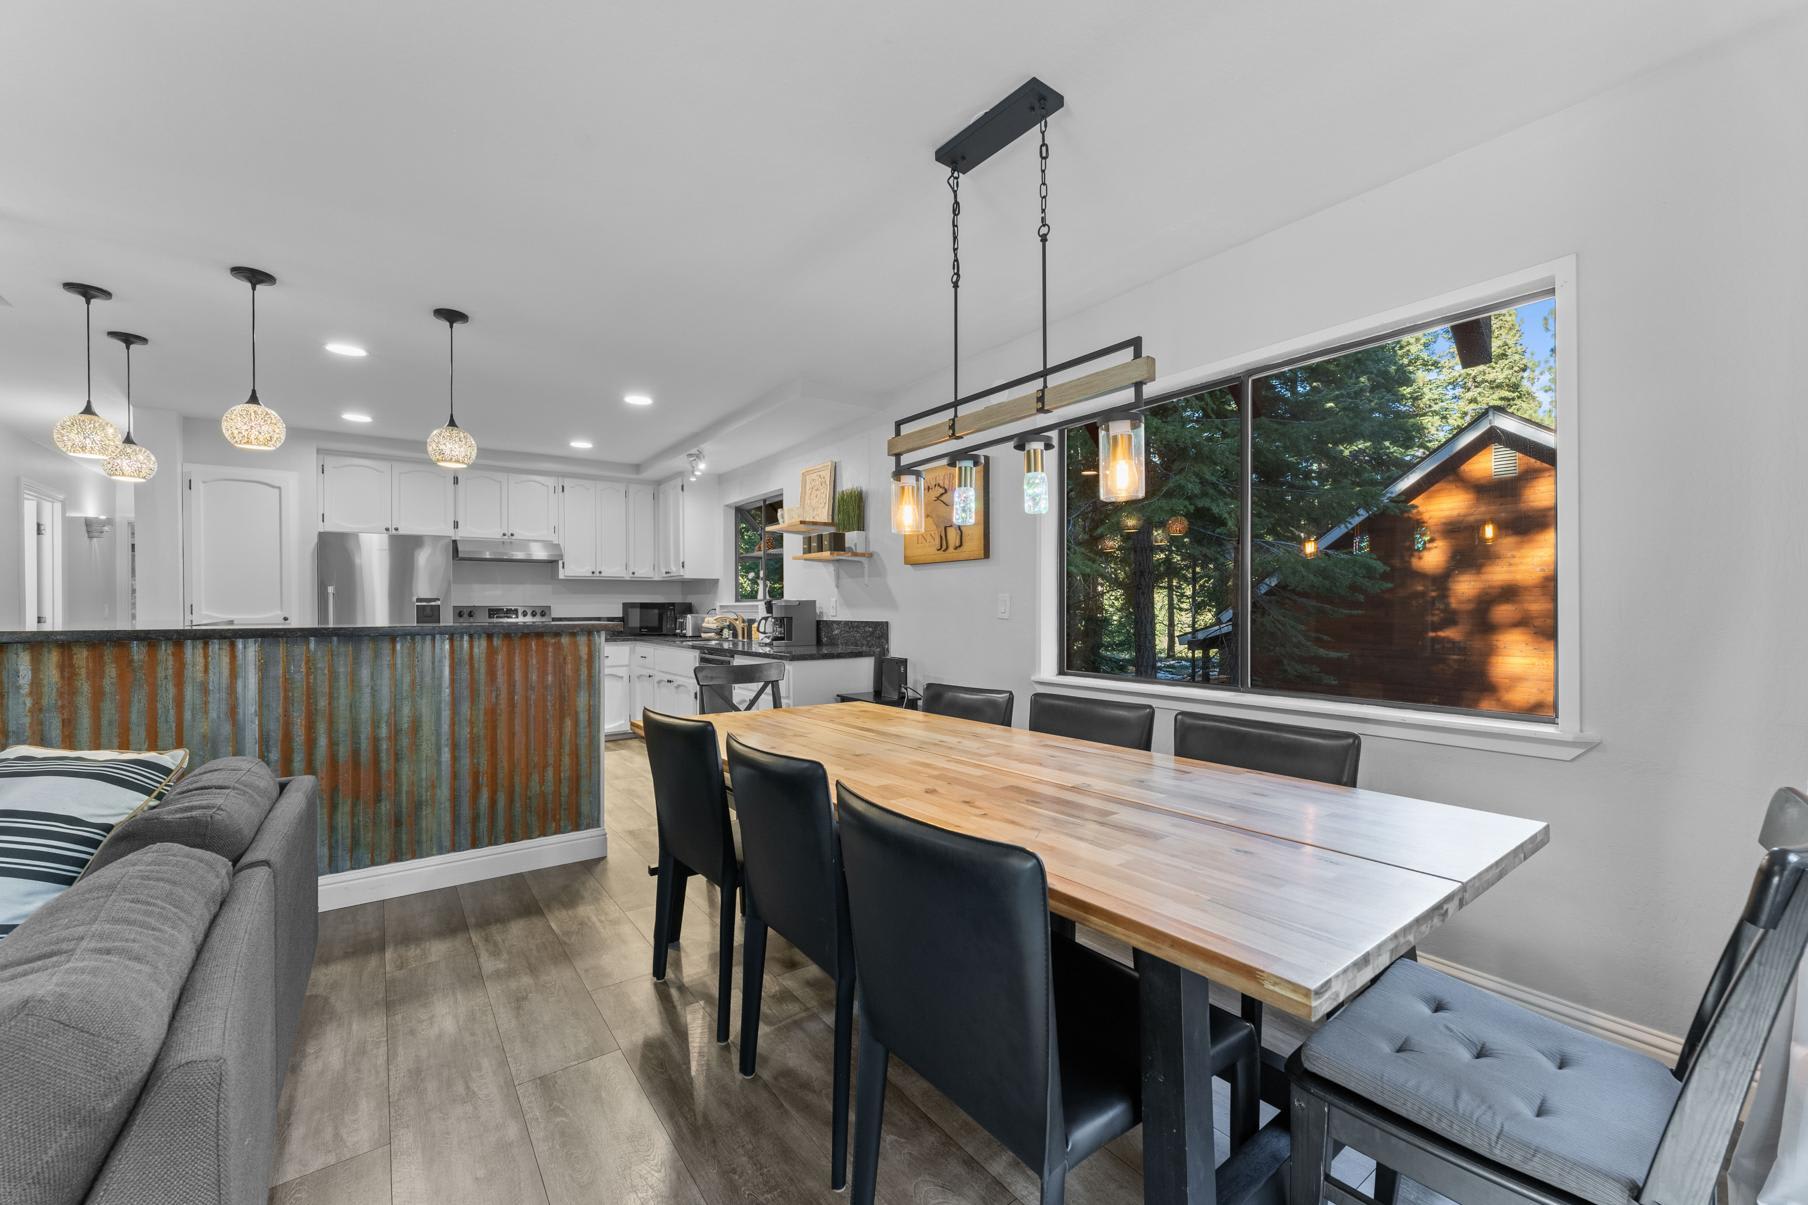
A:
[834, 607]
[1004, 606]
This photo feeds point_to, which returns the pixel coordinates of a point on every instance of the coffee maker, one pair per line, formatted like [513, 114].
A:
[790, 621]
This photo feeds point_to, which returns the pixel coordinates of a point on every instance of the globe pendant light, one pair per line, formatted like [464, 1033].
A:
[1035, 473]
[451, 446]
[85, 434]
[251, 425]
[907, 502]
[1121, 476]
[133, 462]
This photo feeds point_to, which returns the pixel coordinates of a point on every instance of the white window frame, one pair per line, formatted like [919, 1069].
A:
[1566, 738]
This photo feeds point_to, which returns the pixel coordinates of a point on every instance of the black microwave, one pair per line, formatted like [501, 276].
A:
[653, 618]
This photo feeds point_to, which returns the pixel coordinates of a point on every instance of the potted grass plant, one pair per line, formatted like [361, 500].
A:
[850, 520]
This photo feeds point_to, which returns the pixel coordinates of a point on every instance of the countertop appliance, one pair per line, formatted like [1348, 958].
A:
[790, 621]
[654, 618]
[532, 613]
[369, 580]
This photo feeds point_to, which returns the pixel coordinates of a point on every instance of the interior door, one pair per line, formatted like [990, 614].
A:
[577, 524]
[611, 529]
[423, 500]
[482, 504]
[240, 545]
[533, 507]
[643, 532]
[355, 494]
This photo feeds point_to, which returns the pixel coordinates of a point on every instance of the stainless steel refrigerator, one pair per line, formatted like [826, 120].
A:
[379, 580]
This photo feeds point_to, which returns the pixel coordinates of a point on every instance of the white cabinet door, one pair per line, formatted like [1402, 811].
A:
[577, 525]
[482, 504]
[422, 500]
[616, 693]
[643, 532]
[611, 529]
[670, 502]
[645, 693]
[355, 494]
[241, 545]
[703, 530]
[533, 507]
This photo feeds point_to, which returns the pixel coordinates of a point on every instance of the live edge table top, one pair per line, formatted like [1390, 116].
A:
[1290, 891]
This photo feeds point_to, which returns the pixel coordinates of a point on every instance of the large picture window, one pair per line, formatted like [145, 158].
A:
[1377, 523]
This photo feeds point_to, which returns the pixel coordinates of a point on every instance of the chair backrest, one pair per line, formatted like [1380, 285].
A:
[952, 944]
[716, 683]
[1131, 725]
[969, 703]
[688, 793]
[791, 852]
[1743, 997]
[1316, 753]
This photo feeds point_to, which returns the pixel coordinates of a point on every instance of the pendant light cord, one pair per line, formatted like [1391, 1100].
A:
[451, 377]
[128, 391]
[954, 281]
[254, 342]
[88, 344]
[1042, 234]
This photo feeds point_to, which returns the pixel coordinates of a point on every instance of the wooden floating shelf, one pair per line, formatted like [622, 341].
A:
[801, 529]
[830, 556]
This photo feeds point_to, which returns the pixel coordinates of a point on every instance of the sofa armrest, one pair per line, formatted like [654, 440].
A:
[288, 844]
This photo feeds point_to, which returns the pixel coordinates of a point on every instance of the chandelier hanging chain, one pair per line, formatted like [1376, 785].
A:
[1042, 234]
[954, 281]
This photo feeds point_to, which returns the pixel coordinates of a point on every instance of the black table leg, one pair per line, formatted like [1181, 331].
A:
[1177, 1084]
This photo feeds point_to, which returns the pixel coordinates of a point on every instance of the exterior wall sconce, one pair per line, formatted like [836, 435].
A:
[1309, 548]
[1488, 531]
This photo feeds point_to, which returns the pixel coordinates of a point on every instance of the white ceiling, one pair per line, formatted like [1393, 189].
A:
[731, 206]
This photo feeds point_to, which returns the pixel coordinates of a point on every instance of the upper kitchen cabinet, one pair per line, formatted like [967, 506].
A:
[517, 506]
[359, 493]
[689, 529]
[577, 520]
[611, 529]
[643, 531]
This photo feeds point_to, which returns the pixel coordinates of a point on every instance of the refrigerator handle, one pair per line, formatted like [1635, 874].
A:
[330, 590]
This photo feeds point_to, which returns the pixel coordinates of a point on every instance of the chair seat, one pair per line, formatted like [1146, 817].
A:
[1563, 1107]
[1098, 1025]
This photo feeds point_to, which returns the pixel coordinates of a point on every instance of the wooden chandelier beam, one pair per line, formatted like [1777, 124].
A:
[1067, 393]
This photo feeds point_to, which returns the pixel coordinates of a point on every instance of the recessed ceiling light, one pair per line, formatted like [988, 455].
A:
[352, 416]
[346, 349]
[638, 399]
[582, 444]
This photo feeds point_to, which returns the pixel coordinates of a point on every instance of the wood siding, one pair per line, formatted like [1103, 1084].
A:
[1462, 623]
[423, 744]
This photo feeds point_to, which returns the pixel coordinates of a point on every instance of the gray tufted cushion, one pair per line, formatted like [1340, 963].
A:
[1560, 1106]
[218, 807]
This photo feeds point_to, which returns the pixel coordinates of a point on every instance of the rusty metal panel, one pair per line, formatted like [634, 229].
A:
[423, 744]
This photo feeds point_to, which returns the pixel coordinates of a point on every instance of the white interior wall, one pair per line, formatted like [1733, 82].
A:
[85, 490]
[1680, 194]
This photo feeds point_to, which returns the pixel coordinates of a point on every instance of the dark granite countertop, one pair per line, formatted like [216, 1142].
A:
[749, 648]
[237, 632]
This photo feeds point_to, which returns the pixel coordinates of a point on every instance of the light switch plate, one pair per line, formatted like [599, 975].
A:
[1004, 606]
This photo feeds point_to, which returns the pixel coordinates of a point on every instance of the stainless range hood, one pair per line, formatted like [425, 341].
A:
[507, 550]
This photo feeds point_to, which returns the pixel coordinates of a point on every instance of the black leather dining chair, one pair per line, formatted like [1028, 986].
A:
[1038, 1040]
[1316, 753]
[969, 703]
[1130, 725]
[696, 837]
[716, 683]
[792, 884]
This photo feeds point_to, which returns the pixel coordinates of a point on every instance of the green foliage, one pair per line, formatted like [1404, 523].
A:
[850, 509]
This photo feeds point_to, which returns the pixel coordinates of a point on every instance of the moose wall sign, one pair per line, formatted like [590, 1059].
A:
[940, 540]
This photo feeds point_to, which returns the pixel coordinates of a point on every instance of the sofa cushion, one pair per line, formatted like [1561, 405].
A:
[217, 807]
[57, 807]
[87, 989]
[1561, 1106]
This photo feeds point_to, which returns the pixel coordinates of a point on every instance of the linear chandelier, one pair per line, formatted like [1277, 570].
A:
[1122, 475]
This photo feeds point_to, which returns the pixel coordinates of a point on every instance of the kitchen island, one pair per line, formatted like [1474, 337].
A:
[431, 741]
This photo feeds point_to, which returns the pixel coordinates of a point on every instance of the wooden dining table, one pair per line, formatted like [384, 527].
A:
[1291, 892]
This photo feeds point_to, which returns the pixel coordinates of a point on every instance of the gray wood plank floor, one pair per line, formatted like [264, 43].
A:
[505, 1042]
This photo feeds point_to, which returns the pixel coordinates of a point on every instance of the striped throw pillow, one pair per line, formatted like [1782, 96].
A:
[58, 805]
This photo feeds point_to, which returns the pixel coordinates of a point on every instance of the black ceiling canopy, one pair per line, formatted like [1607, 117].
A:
[1001, 125]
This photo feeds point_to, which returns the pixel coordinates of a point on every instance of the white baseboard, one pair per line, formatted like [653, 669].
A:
[1664, 1047]
[372, 883]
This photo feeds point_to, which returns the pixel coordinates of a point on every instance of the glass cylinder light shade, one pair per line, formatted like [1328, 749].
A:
[86, 435]
[254, 427]
[1121, 465]
[1035, 481]
[132, 463]
[907, 504]
[451, 447]
[966, 493]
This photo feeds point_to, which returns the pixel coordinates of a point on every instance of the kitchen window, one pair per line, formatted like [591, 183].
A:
[759, 554]
[1372, 523]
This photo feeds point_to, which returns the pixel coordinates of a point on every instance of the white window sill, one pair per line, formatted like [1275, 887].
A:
[1525, 738]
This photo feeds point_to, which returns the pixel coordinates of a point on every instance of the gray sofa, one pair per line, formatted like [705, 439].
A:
[147, 1013]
